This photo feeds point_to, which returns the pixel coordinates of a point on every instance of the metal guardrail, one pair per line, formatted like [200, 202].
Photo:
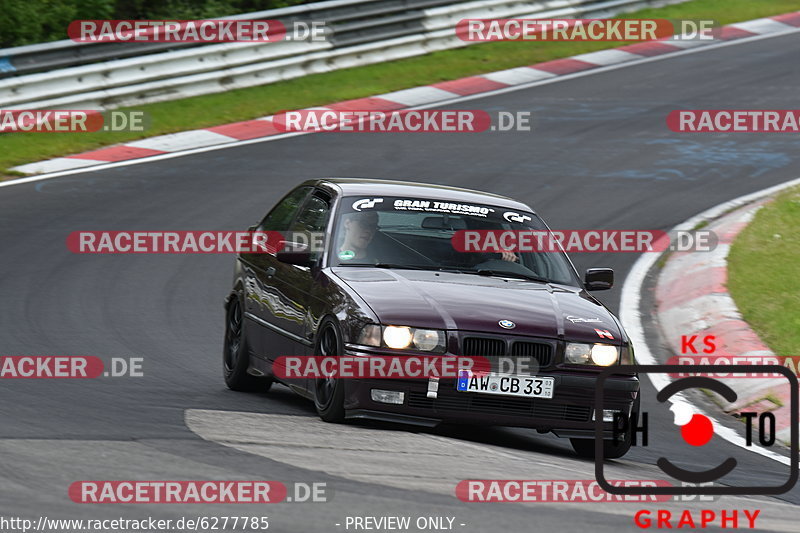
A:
[352, 22]
[358, 32]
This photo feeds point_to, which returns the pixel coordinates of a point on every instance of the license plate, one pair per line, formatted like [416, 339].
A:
[505, 384]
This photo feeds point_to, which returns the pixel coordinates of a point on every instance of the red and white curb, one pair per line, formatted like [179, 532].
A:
[632, 316]
[692, 299]
[419, 96]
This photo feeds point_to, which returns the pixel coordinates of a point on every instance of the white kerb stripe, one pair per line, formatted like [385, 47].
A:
[184, 140]
[518, 76]
[762, 26]
[688, 43]
[607, 57]
[417, 96]
[59, 163]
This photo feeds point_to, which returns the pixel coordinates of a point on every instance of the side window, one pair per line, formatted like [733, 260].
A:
[282, 214]
[312, 220]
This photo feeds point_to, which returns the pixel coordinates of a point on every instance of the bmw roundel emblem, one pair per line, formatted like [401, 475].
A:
[507, 324]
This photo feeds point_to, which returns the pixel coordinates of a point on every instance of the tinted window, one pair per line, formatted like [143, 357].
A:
[312, 220]
[282, 214]
[313, 216]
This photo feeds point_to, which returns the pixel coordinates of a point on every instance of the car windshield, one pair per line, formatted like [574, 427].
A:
[423, 233]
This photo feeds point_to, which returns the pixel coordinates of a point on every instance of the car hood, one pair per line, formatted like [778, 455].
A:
[467, 302]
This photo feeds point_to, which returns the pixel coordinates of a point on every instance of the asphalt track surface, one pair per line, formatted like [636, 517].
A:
[600, 157]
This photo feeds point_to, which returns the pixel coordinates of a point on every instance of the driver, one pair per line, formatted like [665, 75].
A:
[359, 229]
[506, 255]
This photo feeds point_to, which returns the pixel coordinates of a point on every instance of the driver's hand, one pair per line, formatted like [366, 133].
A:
[511, 257]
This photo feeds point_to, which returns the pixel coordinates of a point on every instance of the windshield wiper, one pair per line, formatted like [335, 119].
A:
[397, 265]
[388, 265]
[408, 267]
[509, 274]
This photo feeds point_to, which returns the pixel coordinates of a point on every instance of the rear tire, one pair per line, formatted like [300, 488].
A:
[329, 392]
[235, 354]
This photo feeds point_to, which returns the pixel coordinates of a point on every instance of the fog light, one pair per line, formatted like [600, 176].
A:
[608, 414]
[387, 396]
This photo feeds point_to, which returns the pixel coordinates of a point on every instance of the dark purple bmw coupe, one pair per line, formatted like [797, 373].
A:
[378, 275]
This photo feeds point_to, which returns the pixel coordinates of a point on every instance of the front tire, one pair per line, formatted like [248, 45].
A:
[235, 354]
[329, 392]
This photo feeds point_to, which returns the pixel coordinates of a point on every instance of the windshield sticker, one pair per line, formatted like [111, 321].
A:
[441, 207]
[346, 255]
[515, 217]
[366, 203]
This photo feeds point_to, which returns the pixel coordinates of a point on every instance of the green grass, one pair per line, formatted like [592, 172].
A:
[319, 89]
[774, 399]
[764, 273]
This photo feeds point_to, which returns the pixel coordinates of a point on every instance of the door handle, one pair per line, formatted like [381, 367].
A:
[270, 272]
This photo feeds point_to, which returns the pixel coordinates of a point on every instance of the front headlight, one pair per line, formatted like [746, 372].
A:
[591, 354]
[403, 338]
[397, 337]
[577, 354]
[428, 340]
[604, 355]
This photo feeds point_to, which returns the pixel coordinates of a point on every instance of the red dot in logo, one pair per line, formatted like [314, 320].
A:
[698, 431]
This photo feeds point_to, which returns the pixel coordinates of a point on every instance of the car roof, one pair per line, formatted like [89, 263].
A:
[379, 187]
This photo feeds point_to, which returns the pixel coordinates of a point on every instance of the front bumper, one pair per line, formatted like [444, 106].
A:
[568, 414]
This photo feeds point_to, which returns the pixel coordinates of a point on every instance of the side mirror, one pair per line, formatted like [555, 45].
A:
[295, 254]
[302, 259]
[598, 279]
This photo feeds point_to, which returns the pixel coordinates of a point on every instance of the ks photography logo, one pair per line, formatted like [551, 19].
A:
[696, 429]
